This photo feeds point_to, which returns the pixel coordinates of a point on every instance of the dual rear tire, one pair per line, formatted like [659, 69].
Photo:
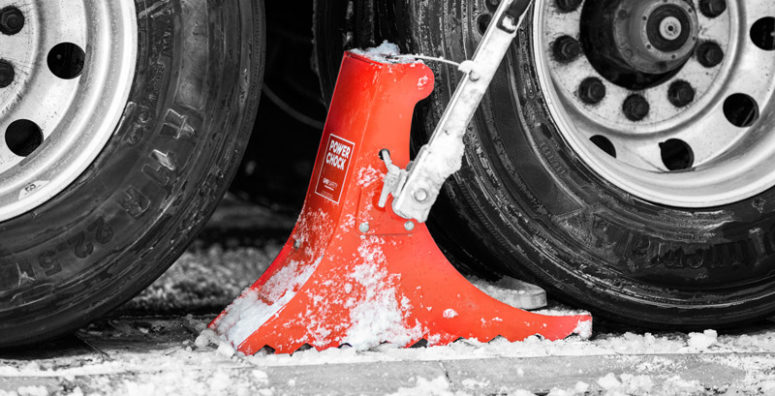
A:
[526, 204]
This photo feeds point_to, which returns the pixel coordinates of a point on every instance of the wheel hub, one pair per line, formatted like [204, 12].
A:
[637, 44]
[66, 69]
[668, 29]
[669, 100]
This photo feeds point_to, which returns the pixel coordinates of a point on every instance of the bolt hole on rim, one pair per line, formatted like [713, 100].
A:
[676, 155]
[741, 110]
[66, 70]
[66, 60]
[23, 137]
[669, 100]
[763, 33]
[7, 73]
[604, 144]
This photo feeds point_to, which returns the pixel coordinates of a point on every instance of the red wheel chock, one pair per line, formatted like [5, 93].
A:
[354, 273]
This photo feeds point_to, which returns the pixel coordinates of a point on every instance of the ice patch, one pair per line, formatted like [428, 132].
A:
[561, 392]
[206, 338]
[473, 384]
[512, 292]
[627, 384]
[609, 382]
[377, 316]
[220, 382]
[680, 386]
[384, 53]
[368, 176]
[581, 387]
[436, 387]
[32, 391]
[561, 312]
[261, 376]
[702, 341]
[250, 311]
[584, 329]
[225, 349]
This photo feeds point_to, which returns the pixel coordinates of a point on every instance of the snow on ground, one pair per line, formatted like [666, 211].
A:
[602, 345]
[146, 356]
[205, 280]
[237, 246]
[150, 347]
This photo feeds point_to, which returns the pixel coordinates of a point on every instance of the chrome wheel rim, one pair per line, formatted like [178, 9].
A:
[712, 148]
[73, 63]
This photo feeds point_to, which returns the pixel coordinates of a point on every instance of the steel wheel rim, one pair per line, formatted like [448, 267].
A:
[732, 163]
[74, 65]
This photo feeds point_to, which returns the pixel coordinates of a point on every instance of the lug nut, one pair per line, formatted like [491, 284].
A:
[483, 22]
[493, 4]
[713, 8]
[681, 93]
[11, 20]
[592, 90]
[636, 107]
[568, 5]
[566, 49]
[7, 73]
[710, 54]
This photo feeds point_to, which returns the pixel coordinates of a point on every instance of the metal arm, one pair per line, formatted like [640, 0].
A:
[418, 190]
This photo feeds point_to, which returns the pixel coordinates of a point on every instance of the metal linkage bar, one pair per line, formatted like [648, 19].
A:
[418, 190]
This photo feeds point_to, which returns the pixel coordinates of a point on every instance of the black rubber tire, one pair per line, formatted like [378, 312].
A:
[291, 103]
[133, 212]
[525, 205]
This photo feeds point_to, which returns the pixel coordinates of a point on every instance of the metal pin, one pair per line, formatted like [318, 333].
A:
[421, 195]
[364, 228]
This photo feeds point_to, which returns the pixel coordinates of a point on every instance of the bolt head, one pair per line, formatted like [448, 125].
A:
[364, 228]
[493, 4]
[566, 49]
[11, 20]
[409, 226]
[7, 73]
[636, 108]
[484, 22]
[592, 90]
[710, 54]
[681, 93]
[713, 8]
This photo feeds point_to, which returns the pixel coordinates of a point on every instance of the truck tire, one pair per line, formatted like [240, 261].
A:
[291, 102]
[663, 218]
[141, 120]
